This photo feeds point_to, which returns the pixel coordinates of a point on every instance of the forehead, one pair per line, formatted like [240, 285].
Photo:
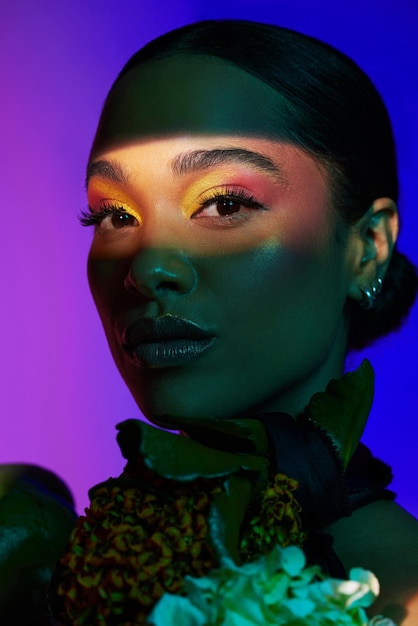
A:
[187, 95]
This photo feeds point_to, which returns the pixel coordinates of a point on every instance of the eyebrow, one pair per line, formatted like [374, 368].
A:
[196, 160]
[109, 170]
[193, 161]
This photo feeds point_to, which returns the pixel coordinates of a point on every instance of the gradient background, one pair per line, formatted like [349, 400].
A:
[60, 392]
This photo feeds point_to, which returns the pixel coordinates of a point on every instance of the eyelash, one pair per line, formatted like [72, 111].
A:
[95, 218]
[247, 200]
[241, 197]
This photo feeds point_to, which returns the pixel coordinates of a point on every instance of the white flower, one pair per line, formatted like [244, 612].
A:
[379, 620]
[168, 609]
[274, 590]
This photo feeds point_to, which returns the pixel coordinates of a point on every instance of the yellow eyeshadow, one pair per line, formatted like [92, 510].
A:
[112, 203]
[202, 188]
[128, 210]
[103, 195]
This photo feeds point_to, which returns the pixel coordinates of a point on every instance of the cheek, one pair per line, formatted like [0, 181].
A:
[106, 281]
[266, 272]
[278, 289]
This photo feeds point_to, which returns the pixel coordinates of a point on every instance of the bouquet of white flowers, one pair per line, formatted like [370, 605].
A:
[276, 589]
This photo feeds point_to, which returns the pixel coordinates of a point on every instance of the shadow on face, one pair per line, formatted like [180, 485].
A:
[214, 265]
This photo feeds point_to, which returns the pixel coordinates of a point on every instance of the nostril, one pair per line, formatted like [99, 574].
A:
[167, 285]
[157, 272]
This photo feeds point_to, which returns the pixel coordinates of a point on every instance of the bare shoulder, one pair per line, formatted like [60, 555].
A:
[383, 538]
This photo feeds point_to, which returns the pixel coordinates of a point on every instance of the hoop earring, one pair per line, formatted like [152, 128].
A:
[370, 295]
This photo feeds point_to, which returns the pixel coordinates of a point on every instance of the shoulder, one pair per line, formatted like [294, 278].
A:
[383, 538]
[36, 519]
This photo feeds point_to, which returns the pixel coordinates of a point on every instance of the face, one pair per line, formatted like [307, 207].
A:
[214, 265]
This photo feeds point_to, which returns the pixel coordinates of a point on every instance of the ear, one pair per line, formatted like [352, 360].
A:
[373, 238]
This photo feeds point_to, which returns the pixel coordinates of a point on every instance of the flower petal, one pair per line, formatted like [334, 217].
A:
[292, 560]
[167, 610]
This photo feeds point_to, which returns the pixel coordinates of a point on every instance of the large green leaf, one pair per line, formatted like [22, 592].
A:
[344, 407]
[179, 457]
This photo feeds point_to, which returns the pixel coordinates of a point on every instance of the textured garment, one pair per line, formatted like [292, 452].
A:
[223, 470]
[326, 492]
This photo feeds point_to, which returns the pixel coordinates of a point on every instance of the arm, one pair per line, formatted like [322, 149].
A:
[383, 538]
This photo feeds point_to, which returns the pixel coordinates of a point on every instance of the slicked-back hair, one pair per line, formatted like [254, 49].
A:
[334, 113]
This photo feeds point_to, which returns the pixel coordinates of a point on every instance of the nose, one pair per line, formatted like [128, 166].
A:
[155, 273]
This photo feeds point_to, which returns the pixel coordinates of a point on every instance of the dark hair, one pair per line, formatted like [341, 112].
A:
[334, 113]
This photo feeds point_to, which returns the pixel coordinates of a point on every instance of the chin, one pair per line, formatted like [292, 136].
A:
[167, 411]
[170, 416]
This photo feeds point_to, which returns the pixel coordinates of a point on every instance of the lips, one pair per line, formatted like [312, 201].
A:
[166, 341]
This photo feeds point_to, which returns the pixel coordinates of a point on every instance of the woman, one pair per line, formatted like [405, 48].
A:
[242, 187]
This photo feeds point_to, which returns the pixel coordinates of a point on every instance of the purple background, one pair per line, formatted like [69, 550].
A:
[60, 392]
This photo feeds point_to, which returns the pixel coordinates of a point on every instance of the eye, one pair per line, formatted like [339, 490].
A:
[225, 206]
[108, 218]
[228, 204]
[119, 220]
